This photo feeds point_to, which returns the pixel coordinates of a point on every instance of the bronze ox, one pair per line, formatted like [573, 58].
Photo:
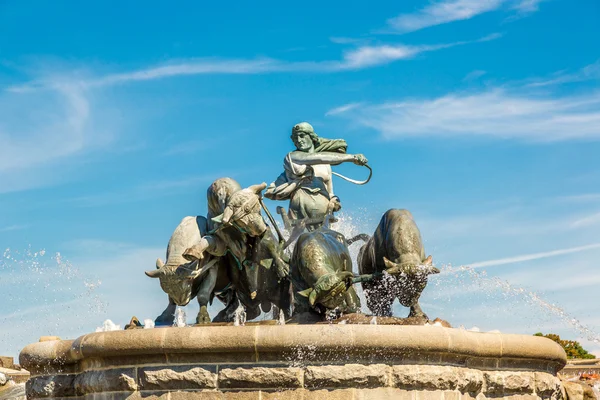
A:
[237, 249]
[396, 247]
[182, 280]
[321, 271]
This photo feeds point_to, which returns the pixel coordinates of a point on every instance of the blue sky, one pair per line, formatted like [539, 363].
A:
[480, 116]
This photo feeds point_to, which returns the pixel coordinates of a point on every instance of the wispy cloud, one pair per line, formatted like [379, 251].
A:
[589, 72]
[54, 127]
[192, 67]
[191, 147]
[345, 40]
[369, 56]
[527, 6]
[589, 220]
[554, 277]
[11, 228]
[474, 75]
[534, 256]
[357, 58]
[496, 112]
[580, 198]
[442, 12]
[36, 128]
[445, 11]
[142, 191]
[343, 109]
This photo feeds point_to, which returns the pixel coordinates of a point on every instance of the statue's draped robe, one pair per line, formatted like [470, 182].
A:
[298, 180]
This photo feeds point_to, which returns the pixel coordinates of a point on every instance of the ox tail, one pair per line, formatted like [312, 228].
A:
[361, 236]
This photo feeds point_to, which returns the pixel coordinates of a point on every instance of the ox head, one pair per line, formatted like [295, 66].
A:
[243, 211]
[177, 280]
[329, 290]
[424, 269]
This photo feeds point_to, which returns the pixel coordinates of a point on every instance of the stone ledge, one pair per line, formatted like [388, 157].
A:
[334, 344]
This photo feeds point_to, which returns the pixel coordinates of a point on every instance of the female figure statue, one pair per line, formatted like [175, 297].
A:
[307, 177]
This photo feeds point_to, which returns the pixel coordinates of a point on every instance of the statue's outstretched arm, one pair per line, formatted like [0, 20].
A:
[300, 157]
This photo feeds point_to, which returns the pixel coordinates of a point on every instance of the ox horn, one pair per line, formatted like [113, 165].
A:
[258, 188]
[428, 264]
[155, 273]
[312, 298]
[311, 294]
[158, 271]
[391, 267]
[306, 292]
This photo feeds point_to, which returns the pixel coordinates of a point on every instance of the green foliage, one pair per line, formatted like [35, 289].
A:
[572, 347]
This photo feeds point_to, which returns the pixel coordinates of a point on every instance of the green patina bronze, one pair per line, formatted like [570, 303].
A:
[307, 178]
[234, 254]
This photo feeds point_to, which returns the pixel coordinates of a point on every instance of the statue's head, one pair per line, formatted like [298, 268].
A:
[243, 211]
[218, 195]
[304, 137]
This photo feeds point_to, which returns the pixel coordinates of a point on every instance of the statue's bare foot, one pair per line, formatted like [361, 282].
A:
[203, 316]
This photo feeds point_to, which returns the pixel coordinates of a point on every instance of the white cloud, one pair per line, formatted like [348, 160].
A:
[527, 6]
[192, 67]
[445, 11]
[46, 131]
[580, 198]
[588, 220]
[474, 75]
[11, 228]
[589, 72]
[360, 57]
[442, 12]
[495, 112]
[370, 56]
[534, 256]
[343, 109]
[367, 56]
[40, 127]
[143, 191]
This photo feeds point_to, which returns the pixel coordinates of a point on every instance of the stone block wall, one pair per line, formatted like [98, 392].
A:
[282, 382]
[295, 362]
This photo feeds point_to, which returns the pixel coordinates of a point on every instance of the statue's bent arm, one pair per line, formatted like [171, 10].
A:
[210, 244]
[215, 245]
[300, 157]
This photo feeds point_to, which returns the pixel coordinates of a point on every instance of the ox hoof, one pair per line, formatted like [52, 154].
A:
[203, 316]
[420, 314]
[164, 321]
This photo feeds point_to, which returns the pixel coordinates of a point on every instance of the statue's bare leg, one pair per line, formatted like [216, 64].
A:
[168, 315]
[206, 288]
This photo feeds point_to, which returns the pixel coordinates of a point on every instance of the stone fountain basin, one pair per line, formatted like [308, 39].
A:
[295, 362]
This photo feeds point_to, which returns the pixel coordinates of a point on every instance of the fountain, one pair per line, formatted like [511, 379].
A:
[318, 345]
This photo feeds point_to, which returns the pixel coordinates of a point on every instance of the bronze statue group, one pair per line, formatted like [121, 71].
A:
[234, 255]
